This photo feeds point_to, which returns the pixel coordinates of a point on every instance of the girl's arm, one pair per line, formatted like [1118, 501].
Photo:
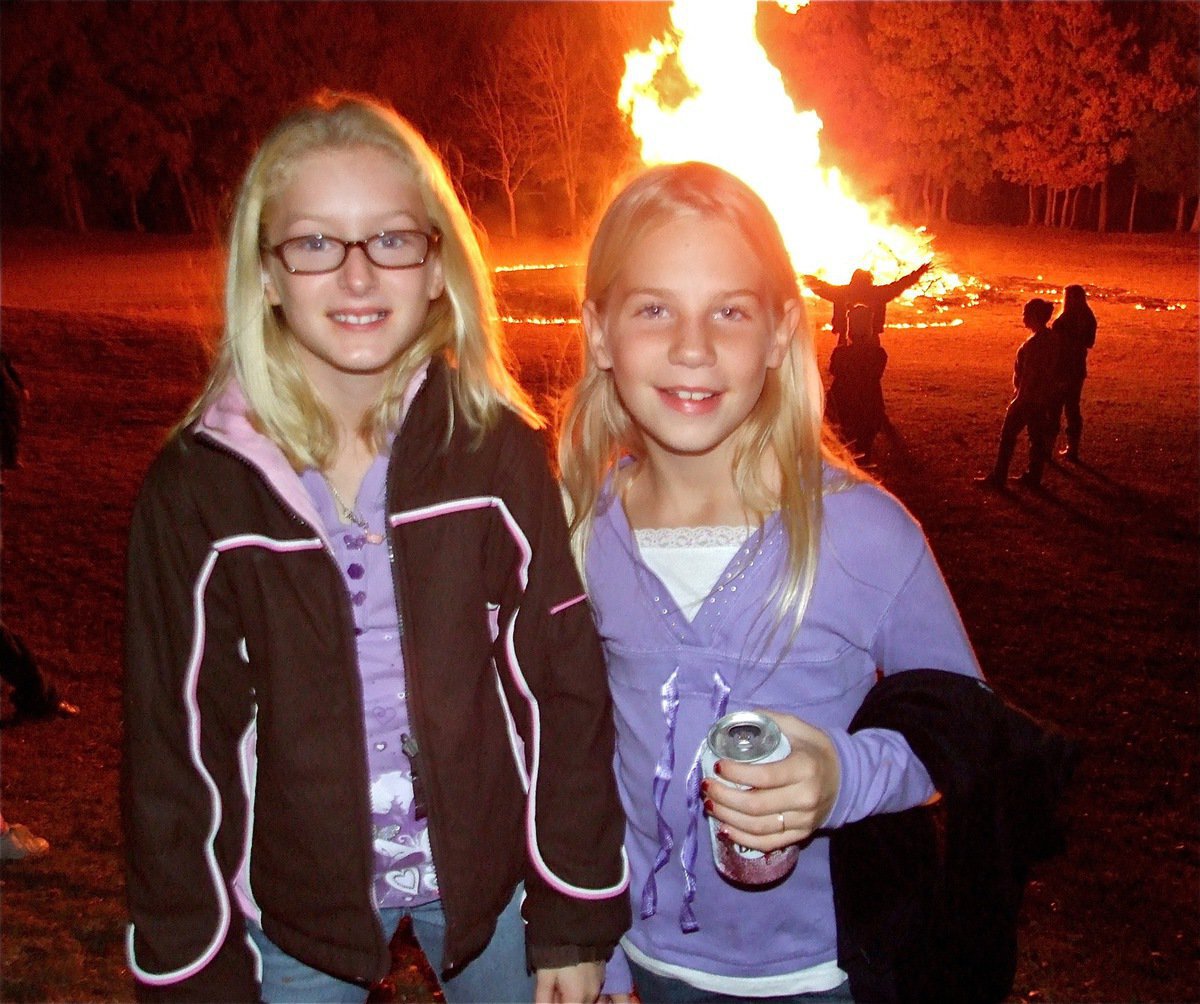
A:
[576, 901]
[187, 938]
[833, 777]
[823, 289]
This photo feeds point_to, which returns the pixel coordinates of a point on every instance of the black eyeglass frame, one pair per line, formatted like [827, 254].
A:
[433, 240]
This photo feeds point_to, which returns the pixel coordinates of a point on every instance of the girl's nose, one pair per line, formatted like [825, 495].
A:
[692, 345]
[357, 274]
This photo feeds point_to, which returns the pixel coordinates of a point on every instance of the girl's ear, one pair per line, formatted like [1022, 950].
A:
[784, 332]
[269, 290]
[436, 282]
[597, 339]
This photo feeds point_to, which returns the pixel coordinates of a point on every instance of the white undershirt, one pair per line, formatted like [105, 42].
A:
[690, 559]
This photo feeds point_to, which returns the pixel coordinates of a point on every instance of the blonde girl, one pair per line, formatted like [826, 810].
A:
[734, 560]
[360, 683]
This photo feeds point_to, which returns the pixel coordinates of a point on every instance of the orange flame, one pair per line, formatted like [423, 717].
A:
[708, 92]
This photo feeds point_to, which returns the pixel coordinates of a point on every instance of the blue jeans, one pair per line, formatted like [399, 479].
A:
[496, 975]
[655, 989]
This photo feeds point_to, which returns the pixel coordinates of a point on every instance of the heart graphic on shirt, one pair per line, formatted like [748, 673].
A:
[384, 714]
[407, 880]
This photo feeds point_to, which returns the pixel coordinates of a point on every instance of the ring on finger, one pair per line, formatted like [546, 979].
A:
[782, 824]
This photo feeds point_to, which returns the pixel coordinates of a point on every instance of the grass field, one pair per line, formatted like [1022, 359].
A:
[1081, 600]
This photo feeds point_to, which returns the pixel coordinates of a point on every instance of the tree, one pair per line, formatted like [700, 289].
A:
[941, 91]
[506, 131]
[1074, 100]
[1168, 137]
[570, 65]
[133, 151]
[50, 98]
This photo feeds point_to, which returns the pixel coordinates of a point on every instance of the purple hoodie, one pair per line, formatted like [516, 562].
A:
[879, 601]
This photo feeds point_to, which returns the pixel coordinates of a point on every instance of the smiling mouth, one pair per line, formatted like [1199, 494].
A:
[690, 395]
[360, 319]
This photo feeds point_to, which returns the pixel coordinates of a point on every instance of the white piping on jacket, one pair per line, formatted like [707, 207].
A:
[190, 683]
[522, 686]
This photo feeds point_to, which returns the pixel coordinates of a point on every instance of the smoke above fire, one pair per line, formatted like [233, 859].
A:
[707, 91]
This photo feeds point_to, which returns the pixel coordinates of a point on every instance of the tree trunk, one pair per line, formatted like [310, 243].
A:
[189, 204]
[512, 211]
[1032, 207]
[1132, 208]
[926, 197]
[133, 214]
[945, 210]
[73, 205]
[1075, 205]
[1180, 206]
[1102, 215]
[572, 207]
[1048, 214]
[1196, 219]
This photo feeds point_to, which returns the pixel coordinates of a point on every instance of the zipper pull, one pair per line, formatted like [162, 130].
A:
[409, 745]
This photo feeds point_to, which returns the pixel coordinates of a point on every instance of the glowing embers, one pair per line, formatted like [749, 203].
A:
[537, 267]
[509, 319]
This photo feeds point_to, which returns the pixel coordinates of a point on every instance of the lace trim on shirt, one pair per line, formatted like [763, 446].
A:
[693, 536]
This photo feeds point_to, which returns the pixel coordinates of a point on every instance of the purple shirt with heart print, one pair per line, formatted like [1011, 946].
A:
[404, 872]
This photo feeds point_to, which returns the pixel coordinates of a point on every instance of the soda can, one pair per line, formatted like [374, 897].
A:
[745, 737]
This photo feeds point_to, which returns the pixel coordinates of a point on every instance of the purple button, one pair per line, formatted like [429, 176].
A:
[356, 571]
[359, 598]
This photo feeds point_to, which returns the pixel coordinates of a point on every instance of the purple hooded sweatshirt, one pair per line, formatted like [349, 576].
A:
[879, 602]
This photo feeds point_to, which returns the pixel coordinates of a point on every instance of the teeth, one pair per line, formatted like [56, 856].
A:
[693, 395]
[360, 318]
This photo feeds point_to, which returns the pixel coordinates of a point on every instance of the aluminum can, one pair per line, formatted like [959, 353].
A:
[745, 737]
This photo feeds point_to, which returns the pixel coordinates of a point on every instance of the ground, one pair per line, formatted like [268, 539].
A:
[1080, 600]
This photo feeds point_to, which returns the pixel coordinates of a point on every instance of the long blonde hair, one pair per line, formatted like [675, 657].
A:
[783, 432]
[462, 324]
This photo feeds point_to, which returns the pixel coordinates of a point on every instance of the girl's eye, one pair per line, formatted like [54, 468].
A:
[652, 311]
[393, 240]
[732, 312]
[313, 242]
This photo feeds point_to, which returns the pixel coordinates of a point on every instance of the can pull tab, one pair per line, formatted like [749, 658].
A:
[409, 745]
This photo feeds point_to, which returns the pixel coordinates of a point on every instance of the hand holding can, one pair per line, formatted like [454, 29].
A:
[774, 801]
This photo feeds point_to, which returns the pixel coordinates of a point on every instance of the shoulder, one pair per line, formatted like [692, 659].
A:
[188, 472]
[178, 464]
[514, 440]
[510, 460]
[870, 532]
[863, 506]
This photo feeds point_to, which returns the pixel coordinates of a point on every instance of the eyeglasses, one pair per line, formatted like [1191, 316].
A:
[313, 254]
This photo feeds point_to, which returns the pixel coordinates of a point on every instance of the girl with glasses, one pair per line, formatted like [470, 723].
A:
[361, 680]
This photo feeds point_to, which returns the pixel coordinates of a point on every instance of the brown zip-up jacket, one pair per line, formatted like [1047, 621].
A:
[245, 788]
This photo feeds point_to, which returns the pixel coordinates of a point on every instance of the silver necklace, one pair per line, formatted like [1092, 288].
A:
[349, 514]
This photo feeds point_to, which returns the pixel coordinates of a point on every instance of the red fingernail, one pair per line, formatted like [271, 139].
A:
[717, 768]
[704, 787]
[708, 806]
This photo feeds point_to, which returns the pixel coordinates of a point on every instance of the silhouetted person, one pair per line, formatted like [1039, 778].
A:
[1076, 331]
[855, 401]
[861, 289]
[33, 695]
[1035, 379]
